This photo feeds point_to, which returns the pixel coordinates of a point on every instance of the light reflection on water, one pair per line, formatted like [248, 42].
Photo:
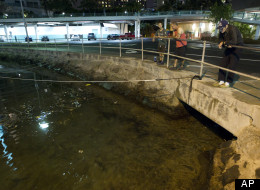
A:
[42, 120]
[83, 137]
[5, 152]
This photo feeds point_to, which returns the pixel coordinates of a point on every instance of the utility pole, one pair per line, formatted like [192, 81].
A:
[25, 24]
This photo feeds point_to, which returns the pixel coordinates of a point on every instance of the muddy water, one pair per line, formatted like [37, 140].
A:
[79, 136]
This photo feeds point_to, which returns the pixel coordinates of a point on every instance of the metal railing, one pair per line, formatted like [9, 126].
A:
[69, 46]
[246, 16]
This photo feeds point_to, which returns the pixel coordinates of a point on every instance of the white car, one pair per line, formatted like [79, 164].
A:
[75, 38]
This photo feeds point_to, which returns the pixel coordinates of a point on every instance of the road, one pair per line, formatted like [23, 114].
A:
[249, 59]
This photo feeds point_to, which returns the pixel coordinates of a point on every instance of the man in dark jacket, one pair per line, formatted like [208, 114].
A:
[229, 35]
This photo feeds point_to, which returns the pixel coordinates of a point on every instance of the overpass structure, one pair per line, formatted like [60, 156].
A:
[136, 18]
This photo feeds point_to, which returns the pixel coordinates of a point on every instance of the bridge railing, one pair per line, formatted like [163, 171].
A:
[246, 16]
[120, 48]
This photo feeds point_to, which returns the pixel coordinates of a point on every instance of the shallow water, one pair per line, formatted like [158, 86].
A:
[68, 136]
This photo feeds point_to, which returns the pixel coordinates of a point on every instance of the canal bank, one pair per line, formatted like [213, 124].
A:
[163, 89]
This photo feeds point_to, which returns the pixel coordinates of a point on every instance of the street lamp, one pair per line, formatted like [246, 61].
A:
[25, 24]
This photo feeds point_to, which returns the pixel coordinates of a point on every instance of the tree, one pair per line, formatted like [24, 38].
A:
[133, 6]
[168, 6]
[246, 30]
[199, 4]
[89, 5]
[220, 11]
[58, 6]
[147, 29]
[4, 9]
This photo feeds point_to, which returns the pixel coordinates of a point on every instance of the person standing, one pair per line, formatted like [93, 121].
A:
[229, 35]
[161, 35]
[181, 44]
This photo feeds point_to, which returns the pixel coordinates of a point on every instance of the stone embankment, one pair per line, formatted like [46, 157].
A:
[164, 90]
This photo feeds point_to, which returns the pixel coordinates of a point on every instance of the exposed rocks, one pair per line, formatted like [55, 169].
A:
[257, 173]
[238, 159]
[230, 175]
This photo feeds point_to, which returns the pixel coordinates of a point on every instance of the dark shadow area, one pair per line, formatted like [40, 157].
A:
[211, 125]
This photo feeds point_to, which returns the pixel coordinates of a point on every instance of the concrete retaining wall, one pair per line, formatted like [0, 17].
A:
[230, 108]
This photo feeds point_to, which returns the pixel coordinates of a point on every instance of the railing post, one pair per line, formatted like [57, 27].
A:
[100, 46]
[168, 54]
[55, 45]
[142, 48]
[45, 46]
[120, 47]
[68, 44]
[202, 59]
[82, 46]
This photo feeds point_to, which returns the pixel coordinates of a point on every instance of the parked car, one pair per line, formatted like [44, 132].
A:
[128, 36]
[113, 36]
[91, 36]
[30, 39]
[75, 37]
[45, 39]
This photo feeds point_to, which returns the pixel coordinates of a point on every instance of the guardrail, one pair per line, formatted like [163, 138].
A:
[247, 16]
[67, 45]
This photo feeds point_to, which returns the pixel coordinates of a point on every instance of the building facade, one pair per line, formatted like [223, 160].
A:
[118, 3]
[109, 3]
[155, 4]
